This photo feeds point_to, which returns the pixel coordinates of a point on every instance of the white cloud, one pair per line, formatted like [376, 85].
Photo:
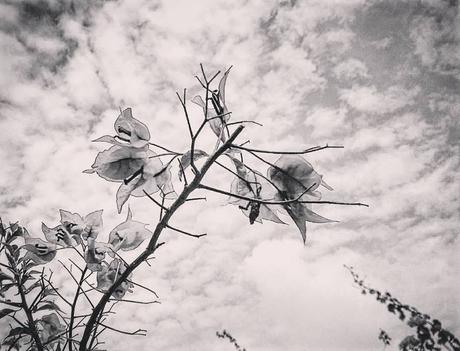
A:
[293, 66]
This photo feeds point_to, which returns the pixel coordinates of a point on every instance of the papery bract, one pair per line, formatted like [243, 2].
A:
[293, 177]
[38, 251]
[129, 234]
[109, 274]
[130, 129]
[253, 185]
[51, 329]
[76, 225]
[59, 235]
[95, 254]
[119, 162]
[154, 177]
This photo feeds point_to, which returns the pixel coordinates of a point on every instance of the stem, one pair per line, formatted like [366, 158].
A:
[28, 312]
[74, 305]
[306, 151]
[152, 245]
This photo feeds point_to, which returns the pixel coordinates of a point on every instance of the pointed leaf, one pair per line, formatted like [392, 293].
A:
[186, 159]
[5, 312]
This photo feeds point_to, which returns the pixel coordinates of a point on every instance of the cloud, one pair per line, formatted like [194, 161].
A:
[379, 78]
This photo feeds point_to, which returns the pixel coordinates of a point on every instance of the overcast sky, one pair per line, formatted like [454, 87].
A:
[381, 78]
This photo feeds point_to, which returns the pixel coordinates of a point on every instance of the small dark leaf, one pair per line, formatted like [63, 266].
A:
[49, 292]
[6, 287]
[32, 287]
[18, 331]
[6, 312]
[48, 305]
[4, 276]
[186, 159]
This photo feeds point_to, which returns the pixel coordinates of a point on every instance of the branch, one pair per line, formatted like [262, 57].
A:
[306, 151]
[155, 201]
[184, 232]
[153, 243]
[74, 305]
[138, 332]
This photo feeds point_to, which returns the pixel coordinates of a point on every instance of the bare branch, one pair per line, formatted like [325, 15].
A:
[306, 151]
[155, 201]
[138, 332]
[184, 232]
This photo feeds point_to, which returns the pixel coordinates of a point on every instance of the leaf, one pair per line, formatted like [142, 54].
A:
[131, 129]
[293, 175]
[59, 235]
[119, 162]
[6, 287]
[95, 254]
[186, 159]
[108, 139]
[5, 312]
[39, 251]
[253, 185]
[4, 276]
[48, 305]
[18, 331]
[109, 273]
[35, 285]
[154, 177]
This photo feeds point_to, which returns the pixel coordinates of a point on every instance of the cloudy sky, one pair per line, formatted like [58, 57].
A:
[381, 78]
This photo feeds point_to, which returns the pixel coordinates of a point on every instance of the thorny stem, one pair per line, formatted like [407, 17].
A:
[153, 243]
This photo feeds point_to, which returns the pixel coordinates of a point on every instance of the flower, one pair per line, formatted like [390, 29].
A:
[38, 251]
[95, 254]
[253, 185]
[119, 162]
[109, 274]
[77, 226]
[51, 328]
[129, 234]
[60, 236]
[295, 177]
[129, 130]
[153, 177]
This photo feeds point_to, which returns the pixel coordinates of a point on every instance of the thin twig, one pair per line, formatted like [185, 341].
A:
[184, 232]
[155, 201]
[306, 151]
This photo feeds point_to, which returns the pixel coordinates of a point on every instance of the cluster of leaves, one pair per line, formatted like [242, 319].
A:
[23, 252]
[18, 279]
[430, 334]
[226, 335]
[384, 338]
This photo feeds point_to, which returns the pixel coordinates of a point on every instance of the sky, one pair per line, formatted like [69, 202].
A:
[381, 78]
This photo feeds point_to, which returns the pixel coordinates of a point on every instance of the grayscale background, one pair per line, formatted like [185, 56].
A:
[381, 78]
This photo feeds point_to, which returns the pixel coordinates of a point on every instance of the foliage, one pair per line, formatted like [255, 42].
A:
[429, 333]
[226, 335]
[142, 168]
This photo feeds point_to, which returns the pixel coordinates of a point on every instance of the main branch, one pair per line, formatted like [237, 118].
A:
[152, 245]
